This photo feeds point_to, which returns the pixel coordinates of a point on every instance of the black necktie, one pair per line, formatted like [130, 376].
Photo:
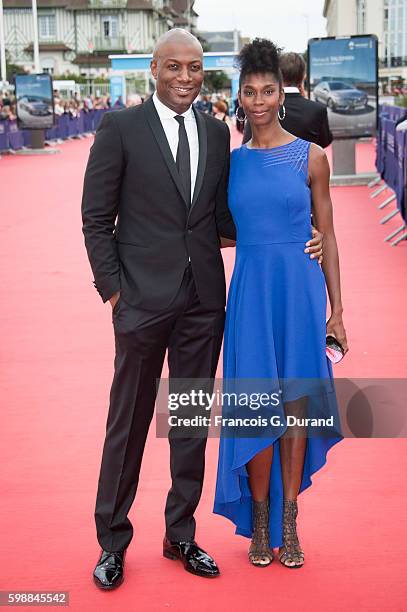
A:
[183, 160]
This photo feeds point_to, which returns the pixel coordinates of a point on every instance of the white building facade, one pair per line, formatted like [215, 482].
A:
[77, 36]
[385, 18]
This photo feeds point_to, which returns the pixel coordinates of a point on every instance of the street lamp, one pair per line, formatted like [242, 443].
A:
[189, 4]
[90, 49]
[3, 73]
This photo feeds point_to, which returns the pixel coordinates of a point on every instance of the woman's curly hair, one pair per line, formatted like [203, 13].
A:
[259, 57]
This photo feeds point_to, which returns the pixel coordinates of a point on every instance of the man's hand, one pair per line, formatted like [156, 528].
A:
[314, 246]
[114, 299]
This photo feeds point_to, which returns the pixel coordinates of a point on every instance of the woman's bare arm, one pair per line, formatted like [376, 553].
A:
[319, 174]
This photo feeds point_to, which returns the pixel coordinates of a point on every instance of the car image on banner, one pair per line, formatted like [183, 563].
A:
[342, 75]
[35, 106]
[340, 96]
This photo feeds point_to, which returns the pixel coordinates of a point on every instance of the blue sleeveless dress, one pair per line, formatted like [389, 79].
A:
[275, 320]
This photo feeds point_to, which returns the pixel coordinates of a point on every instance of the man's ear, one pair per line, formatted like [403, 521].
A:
[153, 68]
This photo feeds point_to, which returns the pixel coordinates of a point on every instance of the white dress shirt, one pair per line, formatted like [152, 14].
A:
[291, 90]
[171, 126]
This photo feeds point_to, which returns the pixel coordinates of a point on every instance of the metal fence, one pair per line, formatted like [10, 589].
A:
[95, 89]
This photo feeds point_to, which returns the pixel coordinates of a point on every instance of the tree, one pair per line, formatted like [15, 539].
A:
[216, 81]
[12, 69]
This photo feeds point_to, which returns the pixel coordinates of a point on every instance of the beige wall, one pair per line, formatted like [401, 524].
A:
[341, 18]
[375, 22]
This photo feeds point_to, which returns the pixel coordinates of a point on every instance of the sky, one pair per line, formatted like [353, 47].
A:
[288, 23]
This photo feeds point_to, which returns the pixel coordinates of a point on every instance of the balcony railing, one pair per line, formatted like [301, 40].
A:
[110, 43]
[393, 62]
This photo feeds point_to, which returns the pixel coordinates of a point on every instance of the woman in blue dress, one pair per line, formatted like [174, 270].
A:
[276, 324]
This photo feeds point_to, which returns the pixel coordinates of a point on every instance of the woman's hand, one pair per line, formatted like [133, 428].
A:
[314, 246]
[334, 327]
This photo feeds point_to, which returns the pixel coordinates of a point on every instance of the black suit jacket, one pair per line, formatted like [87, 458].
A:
[304, 118]
[138, 229]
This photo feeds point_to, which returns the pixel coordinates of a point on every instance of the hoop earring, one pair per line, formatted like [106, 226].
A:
[283, 117]
[240, 119]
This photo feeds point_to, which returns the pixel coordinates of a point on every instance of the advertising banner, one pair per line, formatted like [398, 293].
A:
[342, 75]
[117, 88]
[35, 103]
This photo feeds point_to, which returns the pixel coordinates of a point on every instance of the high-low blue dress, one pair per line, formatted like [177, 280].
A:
[276, 318]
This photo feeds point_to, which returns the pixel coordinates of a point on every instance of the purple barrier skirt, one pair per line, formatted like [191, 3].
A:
[98, 117]
[63, 126]
[81, 122]
[15, 137]
[3, 135]
[52, 133]
[26, 137]
[88, 120]
[390, 160]
[73, 126]
[401, 188]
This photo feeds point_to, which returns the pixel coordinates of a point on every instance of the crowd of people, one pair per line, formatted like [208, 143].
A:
[76, 104]
[62, 105]
[216, 104]
[8, 110]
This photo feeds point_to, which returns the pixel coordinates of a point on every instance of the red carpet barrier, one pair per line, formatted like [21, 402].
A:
[3, 136]
[390, 157]
[15, 136]
[97, 118]
[66, 126]
[88, 121]
[63, 126]
[401, 181]
[391, 153]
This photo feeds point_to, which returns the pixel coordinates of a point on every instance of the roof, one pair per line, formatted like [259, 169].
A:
[169, 11]
[40, 3]
[184, 6]
[58, 46]
[179, 5]
[146, 5]
[181, 21]
[90, 59]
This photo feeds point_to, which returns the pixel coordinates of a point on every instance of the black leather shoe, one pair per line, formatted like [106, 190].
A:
[195, 560]
[109, 571]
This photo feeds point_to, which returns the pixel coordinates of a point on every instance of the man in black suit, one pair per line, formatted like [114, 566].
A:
[303, 118]
[160, 169]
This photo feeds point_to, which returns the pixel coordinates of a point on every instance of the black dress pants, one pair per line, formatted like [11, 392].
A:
[193, 336]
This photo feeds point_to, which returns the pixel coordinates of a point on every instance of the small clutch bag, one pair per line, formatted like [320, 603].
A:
[334, 350]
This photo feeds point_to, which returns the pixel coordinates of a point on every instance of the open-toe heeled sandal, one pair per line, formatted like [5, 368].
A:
[291, 554]
[260, 553]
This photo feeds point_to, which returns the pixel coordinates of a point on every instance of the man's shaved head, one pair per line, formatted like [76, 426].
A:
[174, 37]
[177, 67]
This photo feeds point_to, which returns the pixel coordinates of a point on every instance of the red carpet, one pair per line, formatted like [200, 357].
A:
[56, 368]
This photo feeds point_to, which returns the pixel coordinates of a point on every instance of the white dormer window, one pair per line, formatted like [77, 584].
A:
[47, 27]
[109, 26]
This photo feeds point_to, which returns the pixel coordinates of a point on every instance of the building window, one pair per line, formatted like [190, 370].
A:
[396, 27]
[47, 27]
[361, 16]
[109, 26]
